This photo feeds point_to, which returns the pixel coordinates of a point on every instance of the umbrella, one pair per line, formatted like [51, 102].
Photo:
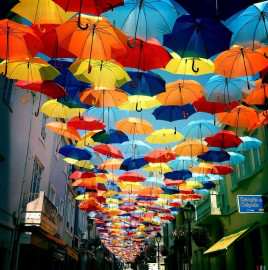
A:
[198, 37]
[239, 117]
[108, 150]
[135, 148]
[130, 164]
[79, 163]
[224, 90]
[145, 19]
[85, 123]
[173, 113]
[103, 98]
[62, 130]
[182, 162]
[178, 175]
[48, 88]
[52, 108]
[134, 125]
[99, 40]
[181, 92]
[235, 158]
[131, 177]
[249, 143]
[169, 182]
[215, 156]
[160, 156]
[142, 55]
[153, 182]
[41, 12]
[75, 152]
[139, 103]
[102, 74]
[158, 167]
[144, 83]
[194, 66]
[164, 136]
[223, 139]
[80, 174]
[30, 70]
[111, 164]
[17, 41]
[190, 148]
[258, 94]
[110, 136]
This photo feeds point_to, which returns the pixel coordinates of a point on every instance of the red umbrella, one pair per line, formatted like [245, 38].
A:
[90, 205]
[223, 139]
[78, 175]
[160, 156]
[222, 169]
[108, 150]
[167, 217]
[169, 182]
[142, 55]
[202, 105]
[86, 123]
[48, 88]
[127, 208]
[131, 177]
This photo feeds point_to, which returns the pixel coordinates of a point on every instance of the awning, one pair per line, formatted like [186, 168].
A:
[226, 241]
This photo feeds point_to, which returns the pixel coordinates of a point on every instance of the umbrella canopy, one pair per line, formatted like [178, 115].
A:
[111, 164]
[164, 136]
[215, 156]
[224, 139]
[134, 125]
[75, 152]
[198, 37]
[135, 148]
[258, 94]
[159, 156]
[85, 123]
[62, 130]
[190, 148]
[178, 175]
[139, 103]
[158, 167]
[108, 150]
[80, 174]
[133, 164]
[131, 177]
[110, 136]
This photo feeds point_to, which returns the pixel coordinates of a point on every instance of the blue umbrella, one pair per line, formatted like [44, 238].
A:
[113, 186]
[224, 90]
[144, 83]
[170, 190]
[215, 156]
[145, 18]
[110, 136]
[133, 164]
[250, 25]
[204, 116]
[178, 175]
[153, 182]
[135, 148]
[249, 143]
[173, 113]
[208, 184]
[75, 153]
[198, 37]
[182, 163]
[73, 102]
[235, 158]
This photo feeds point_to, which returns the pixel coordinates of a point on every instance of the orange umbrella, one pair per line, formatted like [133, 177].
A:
[86, 183]
[99, 41]
[134, 125]
[104, 98]
[258, 94]
[190, 148]
[239, 117]
[62, 130]
[181, 92]
[150, 192]
[239, 61]
[263, 120]
[111, 164]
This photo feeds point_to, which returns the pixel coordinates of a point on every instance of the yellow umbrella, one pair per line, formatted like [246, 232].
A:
[79, 163]
[31, 70]
[42, 12]
[86, 140]
[111, 164]
[134, 125]
[62, 130]
[139, 103]
[203, 168]
[190, 148]
[191, 184]
[163, 136]
[102, 74]
[189, 65]
[130, 187]
[53, 108]
[157, 167]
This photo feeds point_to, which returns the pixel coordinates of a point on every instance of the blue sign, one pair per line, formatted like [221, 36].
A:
[250, 204]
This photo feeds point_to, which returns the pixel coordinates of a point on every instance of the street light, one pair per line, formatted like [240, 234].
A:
[158, 238]
[189, 215]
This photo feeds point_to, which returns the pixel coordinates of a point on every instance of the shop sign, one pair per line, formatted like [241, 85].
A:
[250, 204]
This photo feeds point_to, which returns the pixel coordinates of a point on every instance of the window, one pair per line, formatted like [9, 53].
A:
[36, 178]
[7, 86]
[43, 127]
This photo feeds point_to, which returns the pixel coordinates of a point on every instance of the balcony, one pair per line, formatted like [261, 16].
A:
[40, 212]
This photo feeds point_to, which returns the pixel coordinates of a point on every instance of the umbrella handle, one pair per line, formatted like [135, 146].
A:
[195, 69]
[175, 130]
[80, 25]
[137, 109]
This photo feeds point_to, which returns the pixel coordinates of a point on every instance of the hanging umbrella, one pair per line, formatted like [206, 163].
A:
[130, 164]
[80, 174]
[145, 19]
[134, 125]
[258, 94]
[139, 103]
[190, 148]
[198, 37]
[178, 175]
[131, 177]
[181, 92]
[235, 158]
[194, 66]
[144, 83]
[48, 88]
[79, 163]
[173, 113]
[42, 12]
[160, 156]
[75, 152]
[85, 123]
[108, 150]
[239, 117]
[141, 55]
[17, 41]
[223, 139]
[110, 136]
[111, 164]
[164, 136]
[158, 167]
[249, 143]
[52, 108]
[224, 90]
[90, 37]
[135, 148]
[215, 156]
[102, 74]
[169, 182]
[62, 130]
[182, 162]
[103, 98]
